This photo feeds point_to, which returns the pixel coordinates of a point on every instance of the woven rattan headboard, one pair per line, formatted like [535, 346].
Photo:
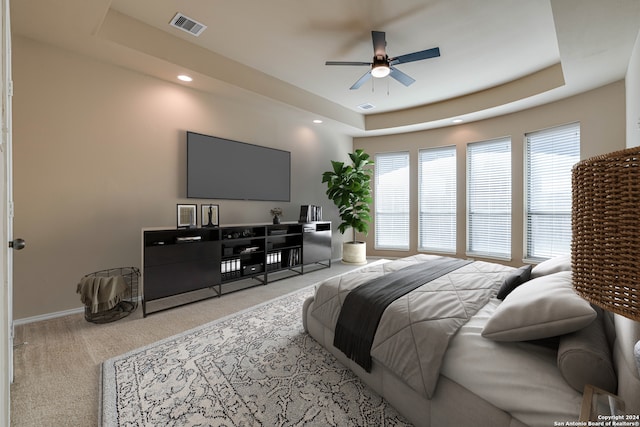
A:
[606, 231]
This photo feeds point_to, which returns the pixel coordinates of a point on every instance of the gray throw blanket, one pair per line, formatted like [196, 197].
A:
[101, 293]
[363, 307]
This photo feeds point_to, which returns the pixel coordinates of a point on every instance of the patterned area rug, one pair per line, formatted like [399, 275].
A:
[254, 368]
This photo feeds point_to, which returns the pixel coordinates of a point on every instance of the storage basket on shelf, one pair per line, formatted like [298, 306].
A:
[109, 295]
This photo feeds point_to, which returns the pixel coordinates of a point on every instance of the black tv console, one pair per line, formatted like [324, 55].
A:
[185, 265]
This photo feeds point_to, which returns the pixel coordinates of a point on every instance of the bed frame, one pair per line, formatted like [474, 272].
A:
[454, 405]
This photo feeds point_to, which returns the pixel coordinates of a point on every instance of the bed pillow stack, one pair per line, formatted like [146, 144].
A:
[546, 306]
[516, 279]
[584, 357]
[552, 265]
[524, 273]
[541, 308]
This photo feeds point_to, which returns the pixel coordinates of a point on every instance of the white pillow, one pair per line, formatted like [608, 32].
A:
[552, 265]
[540, 308]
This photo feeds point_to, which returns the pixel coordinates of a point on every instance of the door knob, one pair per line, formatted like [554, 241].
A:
[17, 244]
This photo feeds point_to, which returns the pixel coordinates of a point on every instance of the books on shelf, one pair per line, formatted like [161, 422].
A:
[230, 268]
[291, 258]
[310, 213]
[294, 257]
[274, 259]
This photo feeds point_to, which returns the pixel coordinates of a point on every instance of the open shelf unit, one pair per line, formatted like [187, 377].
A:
[190, 265]
[243, 253]
[284, 249]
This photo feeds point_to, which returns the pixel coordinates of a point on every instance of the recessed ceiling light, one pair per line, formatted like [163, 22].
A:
[317, 121]
[457, 121]
[184, 78]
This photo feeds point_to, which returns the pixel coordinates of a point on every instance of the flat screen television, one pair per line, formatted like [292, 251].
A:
[219, 168]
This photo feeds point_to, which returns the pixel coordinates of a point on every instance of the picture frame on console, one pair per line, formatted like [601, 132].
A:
[210, 215]
[187, 216]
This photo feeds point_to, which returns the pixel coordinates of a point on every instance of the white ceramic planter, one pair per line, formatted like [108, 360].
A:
[354, 252]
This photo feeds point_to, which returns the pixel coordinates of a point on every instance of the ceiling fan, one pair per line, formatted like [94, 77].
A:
[383, 66]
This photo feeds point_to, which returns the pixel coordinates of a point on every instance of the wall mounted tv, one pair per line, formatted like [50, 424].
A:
[219, 168]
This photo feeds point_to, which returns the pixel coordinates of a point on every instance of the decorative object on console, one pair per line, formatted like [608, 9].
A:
[606, 232]
[187, 216]
[349, 187]
[210, 214]
[310, 213]
[276, 212]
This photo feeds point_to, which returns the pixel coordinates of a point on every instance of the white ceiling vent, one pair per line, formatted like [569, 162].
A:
[189, 25]
[366, 106]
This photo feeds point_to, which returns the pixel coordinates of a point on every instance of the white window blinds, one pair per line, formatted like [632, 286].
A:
[550, 156]
[489, 198]
[392, 201]
[437, 199]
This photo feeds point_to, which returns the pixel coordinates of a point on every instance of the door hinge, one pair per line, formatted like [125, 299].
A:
[10, 87]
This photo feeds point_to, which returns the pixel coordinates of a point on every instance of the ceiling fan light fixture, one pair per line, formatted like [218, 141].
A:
[380, 67]
[383, 66]
[380, 71]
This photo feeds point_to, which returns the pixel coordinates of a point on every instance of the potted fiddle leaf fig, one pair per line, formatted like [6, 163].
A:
[349, 187]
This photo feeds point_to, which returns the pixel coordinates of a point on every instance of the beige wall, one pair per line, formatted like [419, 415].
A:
[632, 83]
[99, 153]
[601, 113]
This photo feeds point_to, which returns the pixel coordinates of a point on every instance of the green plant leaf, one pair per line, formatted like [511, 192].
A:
[349, 187]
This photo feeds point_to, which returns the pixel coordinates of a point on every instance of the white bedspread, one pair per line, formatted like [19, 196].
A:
[414, 330]
[520, 378]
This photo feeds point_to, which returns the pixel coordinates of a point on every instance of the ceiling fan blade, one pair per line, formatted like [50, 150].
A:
[401, 77]
[379, 43]
[346, 63]
[415, 56]
[361, 80]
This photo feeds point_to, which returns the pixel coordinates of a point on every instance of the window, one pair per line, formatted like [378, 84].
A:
[392, 201]
[551, 155]
[489, 198]
[437, 199]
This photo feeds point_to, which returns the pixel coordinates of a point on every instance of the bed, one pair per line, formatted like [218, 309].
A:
[451, 353]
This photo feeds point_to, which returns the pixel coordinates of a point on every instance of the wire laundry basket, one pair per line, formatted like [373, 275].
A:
[127, 304]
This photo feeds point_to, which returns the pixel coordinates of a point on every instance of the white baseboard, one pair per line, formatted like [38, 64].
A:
[47, 316]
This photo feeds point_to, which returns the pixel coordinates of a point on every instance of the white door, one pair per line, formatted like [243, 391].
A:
[6, 221]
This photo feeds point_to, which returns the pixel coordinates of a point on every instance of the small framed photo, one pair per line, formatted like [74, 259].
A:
[187, 216]
[210, 216]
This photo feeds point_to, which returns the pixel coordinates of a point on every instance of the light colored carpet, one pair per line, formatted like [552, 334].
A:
[254, 368]
[57, 372]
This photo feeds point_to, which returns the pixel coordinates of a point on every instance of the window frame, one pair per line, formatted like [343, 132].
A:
[557, 132]
[451, 213]
[507, 237]
[377, 198]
